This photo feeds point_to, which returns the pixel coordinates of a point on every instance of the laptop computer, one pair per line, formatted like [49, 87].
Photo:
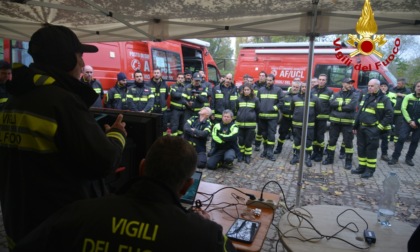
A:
[187, 200]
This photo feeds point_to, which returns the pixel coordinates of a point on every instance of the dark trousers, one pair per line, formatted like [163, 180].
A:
[384, 142]
[245, 138]
[297, 138]
[334, 133]
[367, 145]
[404, 133]
[320, 129]
[284, 129]
[399, 121]
[220, 156]
[258, 136]
[201, 159]
[268, 130]
[177, 122]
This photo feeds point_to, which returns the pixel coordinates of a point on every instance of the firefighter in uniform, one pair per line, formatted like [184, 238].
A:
[196, 96]
[148, 216]
[270, 97]
[178, 104]
[324, 94]
[387, 133]
[374, 114]
[248, 107]
[224, 97]
[410, 108]
[343, 109]
[400, 90]
[207, 86]
[261, 82]
[141, 96]
[117, 97]
[55, 151]
[196, 131]
[298, 109]
[225, 137]
[285, 126]
[161, 92]
[87, 78]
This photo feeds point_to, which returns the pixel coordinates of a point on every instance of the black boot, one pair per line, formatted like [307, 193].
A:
[278, 148]
[257, 145]
[349, 159]
[329, 159]
[361, 169]
[308, 161]
[240, 157]
[318, 155]
[295, 158]
[247, 159]
[264, 153]
[325, 150]
[342, 153]
[315, 151]
[270, 155]
[368, 173]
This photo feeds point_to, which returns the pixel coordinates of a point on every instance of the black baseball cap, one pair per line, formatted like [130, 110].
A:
[348, 80]
[54, 45]
[197, 76]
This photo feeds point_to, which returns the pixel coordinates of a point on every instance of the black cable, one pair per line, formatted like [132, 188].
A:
[321, 236]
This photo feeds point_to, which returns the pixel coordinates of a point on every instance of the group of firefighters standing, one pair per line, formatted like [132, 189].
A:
[235, 118]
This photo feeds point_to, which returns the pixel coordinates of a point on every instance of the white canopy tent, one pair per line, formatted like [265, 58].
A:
[117, 20]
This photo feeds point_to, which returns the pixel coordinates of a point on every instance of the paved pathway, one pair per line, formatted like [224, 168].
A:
[329, 185]
[325, 184]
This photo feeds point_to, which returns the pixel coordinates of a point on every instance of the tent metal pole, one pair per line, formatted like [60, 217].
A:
[312, 36]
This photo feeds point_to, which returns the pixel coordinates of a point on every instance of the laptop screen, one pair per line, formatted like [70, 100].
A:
[189, 196]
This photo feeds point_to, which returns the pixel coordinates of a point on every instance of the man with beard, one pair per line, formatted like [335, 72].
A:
[161, 92]
[142, 98]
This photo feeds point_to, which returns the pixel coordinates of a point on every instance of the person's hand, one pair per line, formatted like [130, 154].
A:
[118, 124]
[413, 124]
[202, 213]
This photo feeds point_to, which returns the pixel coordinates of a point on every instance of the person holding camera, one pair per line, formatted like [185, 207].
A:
[196, 96]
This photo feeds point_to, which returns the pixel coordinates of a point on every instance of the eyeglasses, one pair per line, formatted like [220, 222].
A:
[228, 78]
[88, 72]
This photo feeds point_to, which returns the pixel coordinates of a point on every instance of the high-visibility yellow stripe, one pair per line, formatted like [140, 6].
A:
[3, 100]
[247, 105]
[268, 115]
[324, 97]
[40, 80]
[117, 135]
[268, 96]
[27, 131]
[246, 124]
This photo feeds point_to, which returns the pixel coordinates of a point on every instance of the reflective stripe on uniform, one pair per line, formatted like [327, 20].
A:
[28, 132]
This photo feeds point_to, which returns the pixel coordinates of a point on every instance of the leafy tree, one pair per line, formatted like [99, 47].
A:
[222, 53]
